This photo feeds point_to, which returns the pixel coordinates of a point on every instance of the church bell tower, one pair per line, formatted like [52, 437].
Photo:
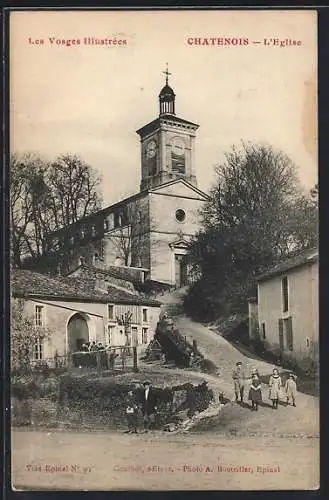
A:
[167, 144]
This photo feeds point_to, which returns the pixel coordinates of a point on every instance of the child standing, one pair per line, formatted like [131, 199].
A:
[275, 384]
[255, 392]
[131, 413]
[291, 389]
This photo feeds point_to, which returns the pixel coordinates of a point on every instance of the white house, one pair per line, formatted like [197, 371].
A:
[288, 304]
[77, 310]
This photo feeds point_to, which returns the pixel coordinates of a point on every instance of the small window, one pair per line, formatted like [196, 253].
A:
[134, 335]
[145, 318]
[117, 220]
[180, 215]
[82, 261]
[110, 311]
[106, 225]
[307, 342]
[83, 231]
[39, 315]
[71, 240]
[263, 331]
[144, 335]
[93, 230]
[285, 298]
[38, 349]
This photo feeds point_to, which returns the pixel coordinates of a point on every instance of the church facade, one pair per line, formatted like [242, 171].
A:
[153, 229]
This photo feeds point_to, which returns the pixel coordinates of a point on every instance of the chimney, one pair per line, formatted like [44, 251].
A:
[101, 285]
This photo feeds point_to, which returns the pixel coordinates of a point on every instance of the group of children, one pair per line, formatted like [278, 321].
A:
[255, 390]
[92, 347]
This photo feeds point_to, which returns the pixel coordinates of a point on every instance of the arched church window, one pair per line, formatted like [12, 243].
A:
[180, 215]
[178, 155]
[151, 155]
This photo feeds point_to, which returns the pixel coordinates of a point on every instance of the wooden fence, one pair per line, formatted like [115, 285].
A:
[113, 359]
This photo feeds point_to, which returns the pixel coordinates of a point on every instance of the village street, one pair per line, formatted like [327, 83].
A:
[112, 461]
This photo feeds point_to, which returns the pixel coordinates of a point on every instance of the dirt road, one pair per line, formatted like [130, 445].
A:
[99, 461]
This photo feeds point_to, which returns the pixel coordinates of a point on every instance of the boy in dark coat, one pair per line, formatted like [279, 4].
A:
[148, 400]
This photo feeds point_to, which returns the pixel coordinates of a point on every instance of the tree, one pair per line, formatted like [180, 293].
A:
[27, 194]
[73, 190]
[24, 336]
[45, 197]
[257, 213]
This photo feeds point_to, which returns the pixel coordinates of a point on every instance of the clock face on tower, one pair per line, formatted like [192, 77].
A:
[151, 149]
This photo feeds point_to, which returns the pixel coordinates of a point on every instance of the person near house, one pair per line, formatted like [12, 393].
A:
[238, 379]
[93, 346]
[255, 392]
[112, 356]
[148, 400]
[124, 358]
[275, 385]
[100, 346]
[131, 412]
[191, 358]
[291, 389]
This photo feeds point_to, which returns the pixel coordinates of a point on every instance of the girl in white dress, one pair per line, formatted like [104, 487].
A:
[275, 384]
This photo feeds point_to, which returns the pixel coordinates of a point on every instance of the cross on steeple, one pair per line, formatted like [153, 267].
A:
[167, 73]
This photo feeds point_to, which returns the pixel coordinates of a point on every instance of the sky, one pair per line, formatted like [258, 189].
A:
[89, 100]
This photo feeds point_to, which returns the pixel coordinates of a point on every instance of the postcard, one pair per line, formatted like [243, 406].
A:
[164, 250]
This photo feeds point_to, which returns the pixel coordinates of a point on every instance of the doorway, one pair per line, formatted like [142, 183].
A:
[180, 270]
[77, 332]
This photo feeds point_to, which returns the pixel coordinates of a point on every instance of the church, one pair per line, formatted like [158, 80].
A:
[151, 231]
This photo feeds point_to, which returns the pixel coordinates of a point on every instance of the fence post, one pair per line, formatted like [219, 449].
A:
[98, 362]
[135, 359]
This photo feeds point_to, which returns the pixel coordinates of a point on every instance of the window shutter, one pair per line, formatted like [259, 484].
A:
[290, 344]
[281, 333]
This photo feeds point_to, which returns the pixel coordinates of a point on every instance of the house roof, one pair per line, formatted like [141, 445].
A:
[29, 284]
[116, 274]
[298, 259]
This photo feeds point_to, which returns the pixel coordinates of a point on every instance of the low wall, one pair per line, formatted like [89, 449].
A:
[82, 403]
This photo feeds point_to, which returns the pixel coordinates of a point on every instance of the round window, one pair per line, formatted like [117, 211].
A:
[180, 215]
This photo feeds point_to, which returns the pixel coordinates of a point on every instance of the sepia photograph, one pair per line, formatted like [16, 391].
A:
[164, 263]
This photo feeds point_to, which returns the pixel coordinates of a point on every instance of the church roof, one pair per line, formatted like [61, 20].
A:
[155, 124]
[166, 90]
[183, 181]
[129, 199]
[29, 284]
